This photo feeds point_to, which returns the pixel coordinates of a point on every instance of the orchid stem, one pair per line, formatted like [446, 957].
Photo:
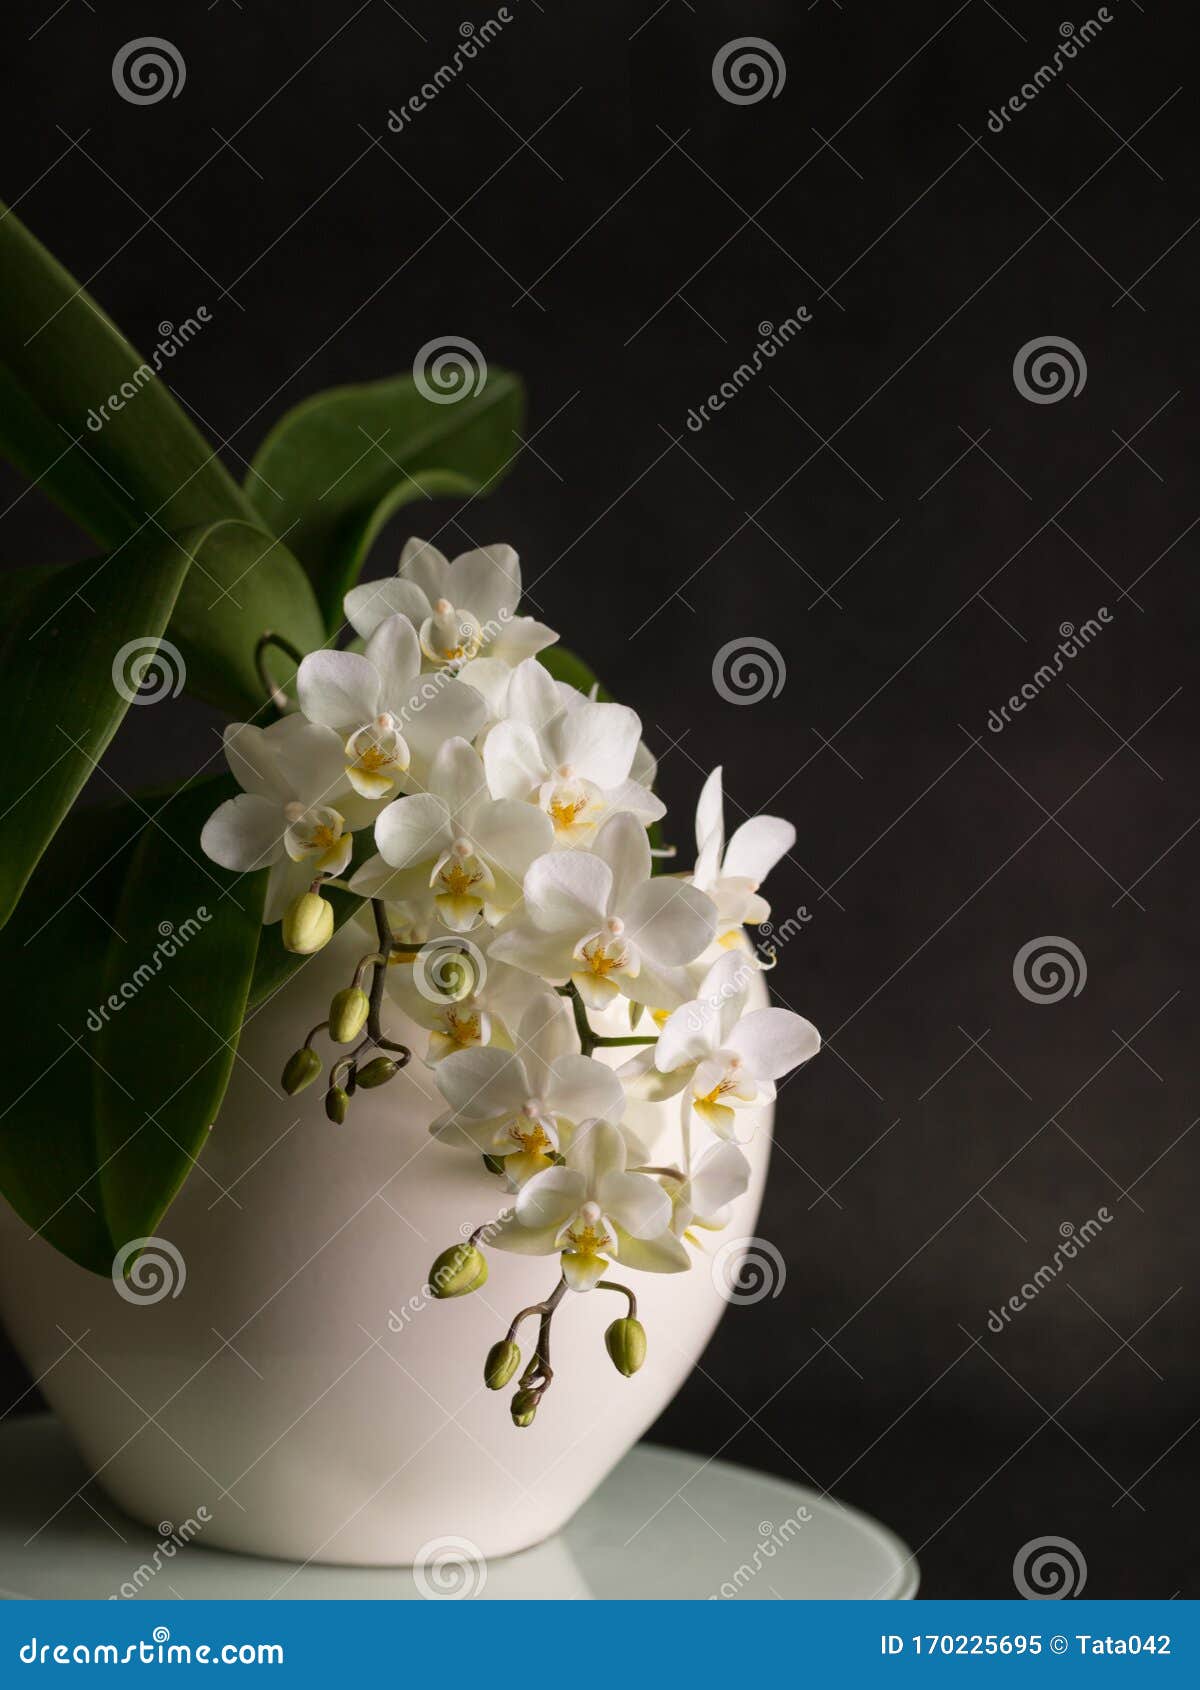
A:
[277, 696]
[379, 963]
[611, 1285]
[589, 1040]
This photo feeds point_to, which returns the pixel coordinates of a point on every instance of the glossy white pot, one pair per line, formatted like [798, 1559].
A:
[301, 1391]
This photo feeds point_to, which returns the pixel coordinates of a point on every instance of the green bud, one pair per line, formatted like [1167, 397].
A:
[503, 1360]
[301, 1070]
[348, 1015]
[307, 924]
[625, 1342]
[377, 1072]
[457, 1271]
[337, 1105]
[523, 1407]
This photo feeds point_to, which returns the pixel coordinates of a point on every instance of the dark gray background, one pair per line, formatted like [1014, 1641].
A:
[886, 508]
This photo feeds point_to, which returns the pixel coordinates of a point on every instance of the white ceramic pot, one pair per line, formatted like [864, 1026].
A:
[301, 1390]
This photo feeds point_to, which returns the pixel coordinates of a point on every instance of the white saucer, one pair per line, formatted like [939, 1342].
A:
[664, 1524]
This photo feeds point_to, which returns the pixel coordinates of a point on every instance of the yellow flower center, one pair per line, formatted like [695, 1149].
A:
[587, 1241]
[530, 1136]
[458, 880]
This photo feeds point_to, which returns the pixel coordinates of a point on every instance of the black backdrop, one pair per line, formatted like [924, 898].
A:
[886, 507]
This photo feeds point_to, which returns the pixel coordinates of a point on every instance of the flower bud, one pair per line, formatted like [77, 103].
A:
[301, 1070]
[625, 1342]
[347, 1015]
[377, 1072]
[307, 924]
[523, 1407]
[503, 1360]
[337, 1105]
[457, 1271]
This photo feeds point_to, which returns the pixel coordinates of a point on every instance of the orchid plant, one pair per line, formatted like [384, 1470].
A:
[414, 756]
[513, 897]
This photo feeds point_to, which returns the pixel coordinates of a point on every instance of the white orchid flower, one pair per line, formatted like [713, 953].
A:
[724, 1060]
[386, 713]
[596, 918]
[472, 850]
[462, 611]
[589, 1208]
[462, 997]
[295, 813]
[703, 1200]
[522, 1105]
[573, 759]
[732, 874]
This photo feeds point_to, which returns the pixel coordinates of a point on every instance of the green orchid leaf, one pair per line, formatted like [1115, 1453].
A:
[333, 470]
[179, 965]
[242, 584]
[77, 641]
[565, 666]
[88, 419]
[125, 970]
